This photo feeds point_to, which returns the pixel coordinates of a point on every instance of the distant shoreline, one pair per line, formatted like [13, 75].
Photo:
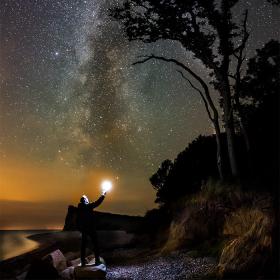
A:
[66, 241]
[14, 266]
[25, 246]
[43, 237]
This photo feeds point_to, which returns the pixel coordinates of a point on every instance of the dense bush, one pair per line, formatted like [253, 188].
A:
[185, 175]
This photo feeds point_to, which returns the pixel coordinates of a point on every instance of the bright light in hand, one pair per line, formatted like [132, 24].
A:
[106, 186]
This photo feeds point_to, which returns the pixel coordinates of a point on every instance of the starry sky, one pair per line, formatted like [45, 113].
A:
[74, 111]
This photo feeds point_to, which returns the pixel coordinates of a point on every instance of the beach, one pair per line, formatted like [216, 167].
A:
[124, 261]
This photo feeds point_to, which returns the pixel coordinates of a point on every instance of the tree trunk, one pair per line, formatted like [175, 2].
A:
[241, 117]
[228, 119]
[245, 135]
[231, 148]
[243, 128]
[238, 105]
[247, 141]
[220, 161]
[224, 85]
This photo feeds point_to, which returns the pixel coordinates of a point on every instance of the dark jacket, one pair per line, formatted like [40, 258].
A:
[86, 219]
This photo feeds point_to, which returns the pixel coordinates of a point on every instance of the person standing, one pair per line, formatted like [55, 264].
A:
[87, 226]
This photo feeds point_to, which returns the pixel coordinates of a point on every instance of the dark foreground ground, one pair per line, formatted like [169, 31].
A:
[123, 263]
[136, 265]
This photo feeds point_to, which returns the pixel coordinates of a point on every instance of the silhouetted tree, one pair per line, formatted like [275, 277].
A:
[158, 180]
[260, 90]
[237, 78]
[185, 176]
[259, 96]
[262, 78]
[203, 27]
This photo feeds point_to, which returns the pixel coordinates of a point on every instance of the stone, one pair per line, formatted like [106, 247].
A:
[72, 255]
[90, 271]
[57, 259]
[75, 262]
[68, 273]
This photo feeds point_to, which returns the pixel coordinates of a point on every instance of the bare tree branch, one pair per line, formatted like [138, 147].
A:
[187, 69]
[245, 35]
[200, 93]
[232, 76]
[240, 59]
[234, 54]
[206, 97]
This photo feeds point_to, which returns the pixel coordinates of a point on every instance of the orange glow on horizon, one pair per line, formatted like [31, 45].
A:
[37, 196]
[26, 182]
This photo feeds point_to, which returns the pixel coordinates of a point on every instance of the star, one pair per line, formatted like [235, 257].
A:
[71, 93]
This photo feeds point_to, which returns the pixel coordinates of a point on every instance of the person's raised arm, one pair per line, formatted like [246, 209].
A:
[98, 201]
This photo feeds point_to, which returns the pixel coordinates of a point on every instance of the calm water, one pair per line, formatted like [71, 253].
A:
[15, 242]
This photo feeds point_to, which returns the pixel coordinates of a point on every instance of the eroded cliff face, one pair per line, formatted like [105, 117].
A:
[196, 224]
[106, 221]
[249, 251]
[238, 225]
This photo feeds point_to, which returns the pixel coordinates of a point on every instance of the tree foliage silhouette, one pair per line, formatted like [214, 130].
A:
[260, 89]
[205, 28]
[185, 175]
[259, 101]
[262, 77]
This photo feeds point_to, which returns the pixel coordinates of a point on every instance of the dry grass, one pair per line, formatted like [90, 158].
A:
[219, 211]
[241, 221]
[250, 248]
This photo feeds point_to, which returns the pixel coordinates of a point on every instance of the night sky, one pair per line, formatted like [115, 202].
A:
[74, 111]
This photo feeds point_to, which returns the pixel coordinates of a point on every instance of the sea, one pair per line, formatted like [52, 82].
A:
[15, 242]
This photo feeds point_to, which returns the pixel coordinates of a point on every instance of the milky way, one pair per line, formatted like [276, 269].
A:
[69, 92]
